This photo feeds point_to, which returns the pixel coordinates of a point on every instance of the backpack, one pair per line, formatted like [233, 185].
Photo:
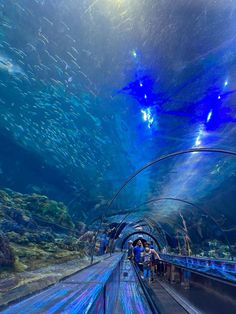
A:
[147, 258]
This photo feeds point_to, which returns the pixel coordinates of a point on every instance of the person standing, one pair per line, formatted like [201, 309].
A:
[147, 262]
[130, 250]
[155, 261]
[138, 252]
[103, 243]
[111, 232]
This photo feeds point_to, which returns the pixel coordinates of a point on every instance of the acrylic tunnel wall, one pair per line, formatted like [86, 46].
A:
[190, 208]
[92, 91]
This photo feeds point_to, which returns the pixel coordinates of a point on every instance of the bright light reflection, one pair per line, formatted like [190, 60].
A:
[147, 116]
[144, 115]
[209, 116]
[226, 83]
[134, 53]
[198, 142]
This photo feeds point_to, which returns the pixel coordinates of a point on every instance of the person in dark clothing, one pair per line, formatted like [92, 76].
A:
[111, 232]
[103, 243]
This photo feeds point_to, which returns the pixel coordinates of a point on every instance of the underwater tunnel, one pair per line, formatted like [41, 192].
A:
[117, 156]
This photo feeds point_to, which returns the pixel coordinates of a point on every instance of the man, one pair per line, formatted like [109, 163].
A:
[130, 250]
[138, 251]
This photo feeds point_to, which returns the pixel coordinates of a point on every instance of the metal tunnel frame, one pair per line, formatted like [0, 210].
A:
[155, 161]
[140, 232]
[179, 200]
[193, 205]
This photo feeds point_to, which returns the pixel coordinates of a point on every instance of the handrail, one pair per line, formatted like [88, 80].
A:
[204, 267]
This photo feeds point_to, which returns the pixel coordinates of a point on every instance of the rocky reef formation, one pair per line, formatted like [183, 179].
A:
[6, 255]
[36, 232]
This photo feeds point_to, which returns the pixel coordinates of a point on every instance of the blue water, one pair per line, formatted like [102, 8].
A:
[90, 91]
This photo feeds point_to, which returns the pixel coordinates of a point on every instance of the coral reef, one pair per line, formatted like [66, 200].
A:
[36, 232]
[6, 255]
[51, 210]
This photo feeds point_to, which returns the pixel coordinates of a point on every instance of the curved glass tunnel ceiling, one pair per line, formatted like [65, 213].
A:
[90, 91]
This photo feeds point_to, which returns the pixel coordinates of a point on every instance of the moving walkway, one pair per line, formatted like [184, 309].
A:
[113, 285]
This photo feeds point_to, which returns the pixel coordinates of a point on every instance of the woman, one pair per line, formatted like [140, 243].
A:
[130, 250]
[147, 261]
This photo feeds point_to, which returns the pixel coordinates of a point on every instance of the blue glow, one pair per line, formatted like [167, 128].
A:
[209, 116]
[147, 116]
[142, 89]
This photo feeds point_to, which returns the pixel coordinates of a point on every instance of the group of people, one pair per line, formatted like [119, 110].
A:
[105, 240]
[145, 257]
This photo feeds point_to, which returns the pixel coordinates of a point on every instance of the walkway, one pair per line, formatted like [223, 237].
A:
[131, 297]
[80, 293]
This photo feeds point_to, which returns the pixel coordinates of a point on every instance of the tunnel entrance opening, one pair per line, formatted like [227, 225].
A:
[140, 237]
